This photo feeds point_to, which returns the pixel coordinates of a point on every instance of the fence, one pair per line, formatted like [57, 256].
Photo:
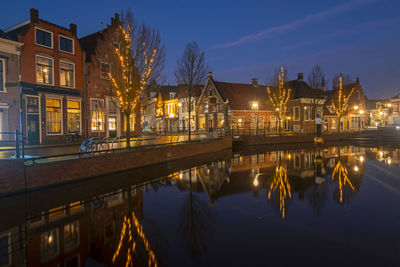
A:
[13, 139]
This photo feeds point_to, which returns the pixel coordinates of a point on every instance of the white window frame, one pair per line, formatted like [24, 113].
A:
[52, 69]
[47, 259]
[80, 109]
[4, 75]
[59, 44]
[294, 113]
[52, 42]
[62, 114]
[101, 71]
[73, 70]
[307, 110]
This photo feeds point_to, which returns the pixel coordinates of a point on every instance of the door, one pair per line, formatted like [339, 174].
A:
[33, 129]
[112, 126]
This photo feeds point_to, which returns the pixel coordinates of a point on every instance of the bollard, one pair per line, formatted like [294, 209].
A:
[17, 155]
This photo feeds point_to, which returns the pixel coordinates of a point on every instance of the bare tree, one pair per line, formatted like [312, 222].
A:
[138, 57]
[316, 79]
[346, 79]
[191, 72]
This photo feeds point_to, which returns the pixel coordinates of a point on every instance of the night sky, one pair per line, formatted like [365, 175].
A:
[246, 39]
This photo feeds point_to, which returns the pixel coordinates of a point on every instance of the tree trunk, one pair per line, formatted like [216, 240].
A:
[128, 130]
[339, 117]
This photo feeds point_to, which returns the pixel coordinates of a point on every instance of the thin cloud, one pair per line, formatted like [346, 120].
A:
[352, 30]
[267, 33]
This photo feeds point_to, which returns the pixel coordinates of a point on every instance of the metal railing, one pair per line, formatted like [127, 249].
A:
[14, 139]
[69, 156]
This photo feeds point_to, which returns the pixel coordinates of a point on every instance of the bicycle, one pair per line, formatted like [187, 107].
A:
[72, 137]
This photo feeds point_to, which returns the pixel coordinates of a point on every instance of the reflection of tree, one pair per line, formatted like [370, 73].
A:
[195, 222]
[130, 226]
[340, 172]
[281, 183]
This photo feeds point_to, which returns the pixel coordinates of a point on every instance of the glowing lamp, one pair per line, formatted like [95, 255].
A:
[255, 105]
[355, 107]
[255, 181]
[356, 168]
[361, 111]
[361, 159]
[179, 104]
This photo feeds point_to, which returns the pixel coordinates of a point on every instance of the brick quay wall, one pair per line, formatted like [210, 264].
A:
[13, 174]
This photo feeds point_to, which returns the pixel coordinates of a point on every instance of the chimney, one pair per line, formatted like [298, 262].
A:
[254, 82]
[72, 28]
[357, 80]
[300, 76]
[34, 15]
[115, 21]
[210, 74]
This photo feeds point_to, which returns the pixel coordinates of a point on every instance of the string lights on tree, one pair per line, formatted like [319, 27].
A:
[340, 101]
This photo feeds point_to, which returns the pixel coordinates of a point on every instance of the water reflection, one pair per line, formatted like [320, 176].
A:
[111, 229]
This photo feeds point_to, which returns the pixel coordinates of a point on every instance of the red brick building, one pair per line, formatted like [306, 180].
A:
[225, 105]
[104, 116]
[52, 79]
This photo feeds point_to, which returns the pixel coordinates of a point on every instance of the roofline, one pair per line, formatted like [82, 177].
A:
[21, 24]
[11, 42]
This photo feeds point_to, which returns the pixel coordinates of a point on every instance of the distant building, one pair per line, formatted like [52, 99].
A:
[355, 118]
[394, 118]
[52, 79]
[10, 52]
[378, 112]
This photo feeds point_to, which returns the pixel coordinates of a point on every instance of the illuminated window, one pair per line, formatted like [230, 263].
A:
[2, 75]
[66, 74]
[105, 70]
[131, 121]
[112, 126]
[67, 44]
[44, 70]
[71, 236]
[97, 107]
[44, 38]
[307, 113]
[171, 110]
[296, 113]
[49, 245]
[53, 116]
[73, 116]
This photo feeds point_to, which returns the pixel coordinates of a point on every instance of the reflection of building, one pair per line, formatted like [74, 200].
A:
[52, 78]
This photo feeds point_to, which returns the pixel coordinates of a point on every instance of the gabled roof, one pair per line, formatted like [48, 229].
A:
[19, 30]
[301, 89]
[179, 90]
[240, 95]
[89, 43]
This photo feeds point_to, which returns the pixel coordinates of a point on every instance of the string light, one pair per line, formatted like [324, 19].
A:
[342, 175]
[281, 181]
[342, 100]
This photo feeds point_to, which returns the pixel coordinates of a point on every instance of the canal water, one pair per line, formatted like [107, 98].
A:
[324, 206]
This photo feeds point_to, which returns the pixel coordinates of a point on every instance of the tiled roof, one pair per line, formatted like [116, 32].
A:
[240, 95]
[301, 89]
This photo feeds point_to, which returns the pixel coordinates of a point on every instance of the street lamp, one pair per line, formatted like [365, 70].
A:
[355, 107]
[361, 112]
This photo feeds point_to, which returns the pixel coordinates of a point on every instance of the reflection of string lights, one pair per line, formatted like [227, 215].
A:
[361, 159]
[356, 168]
[280, 180]
[343, 177]
[127, 224]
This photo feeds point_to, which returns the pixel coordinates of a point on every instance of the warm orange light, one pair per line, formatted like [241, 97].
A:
[355, 107]
[361, 111]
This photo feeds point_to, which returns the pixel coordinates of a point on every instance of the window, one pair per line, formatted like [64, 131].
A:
[307, 114]
[210, 92]
[312, 113]
[67, 44]
[32, 104]
[49, 244]
[44, 70]
[53, 116]
[71, 236]
[112, 107]
[320, 112]
[296, 113]
[171, 95]
[44, 38]
[105, 70]
[131, 122]
[112, 124]
[116, 46]
[5, 256]
[171, 110]
[73, 116]
[96, 106]
[66, 74]
[2, 75]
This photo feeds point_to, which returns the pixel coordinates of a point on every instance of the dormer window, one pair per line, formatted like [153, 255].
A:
[205, 107]
[171, 95]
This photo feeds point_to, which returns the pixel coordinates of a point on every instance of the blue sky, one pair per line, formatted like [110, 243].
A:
[246, 39]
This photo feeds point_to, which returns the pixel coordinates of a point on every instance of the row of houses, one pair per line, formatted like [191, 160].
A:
[53, 83]
[224, 105]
